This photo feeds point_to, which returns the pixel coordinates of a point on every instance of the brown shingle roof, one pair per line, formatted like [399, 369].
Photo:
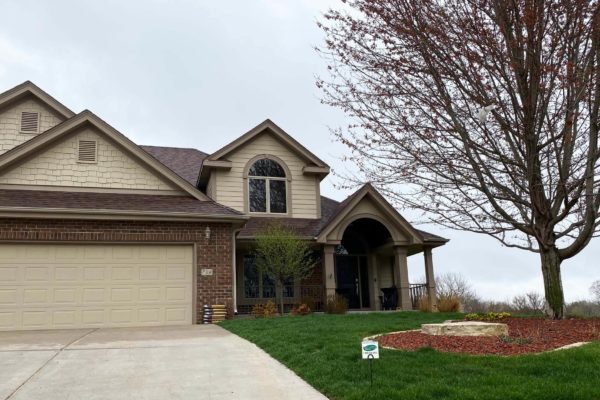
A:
[312, 227]
[184, 162]
[112, 201]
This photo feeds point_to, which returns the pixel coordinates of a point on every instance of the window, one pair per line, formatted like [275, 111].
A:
[267, 187]
[30, 122]
[259, 285]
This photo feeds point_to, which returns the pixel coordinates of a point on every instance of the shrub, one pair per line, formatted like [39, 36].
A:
[336, 304]
[449, 304]
[309, 301]
[266, 310]
[530, 303]
[491, 316]
[521, 341]
[301, 309]
[424, 304]
[583, 309]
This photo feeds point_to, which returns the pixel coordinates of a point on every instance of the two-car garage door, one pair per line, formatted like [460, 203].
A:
[73, 286]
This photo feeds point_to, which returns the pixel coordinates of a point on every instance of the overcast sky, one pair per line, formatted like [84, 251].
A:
[200, 73]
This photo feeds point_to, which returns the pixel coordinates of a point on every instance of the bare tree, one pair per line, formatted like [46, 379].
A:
[531, 302]
[482, 113]
[453, 284]
[595, 291]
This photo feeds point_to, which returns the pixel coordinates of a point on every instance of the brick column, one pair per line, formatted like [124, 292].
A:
[431, 291]
[329, 269]
[401, 277]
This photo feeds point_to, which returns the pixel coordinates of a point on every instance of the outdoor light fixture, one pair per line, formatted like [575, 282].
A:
[207, 232]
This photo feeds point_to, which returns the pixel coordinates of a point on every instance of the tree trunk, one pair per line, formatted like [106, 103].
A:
[280, 291]
[553, 282]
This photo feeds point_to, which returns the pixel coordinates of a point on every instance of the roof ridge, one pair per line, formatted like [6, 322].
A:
[32, 87]
[174, 147]
[330, 199]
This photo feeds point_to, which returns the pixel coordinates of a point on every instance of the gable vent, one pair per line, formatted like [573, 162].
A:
[30, 122]
[87, 151]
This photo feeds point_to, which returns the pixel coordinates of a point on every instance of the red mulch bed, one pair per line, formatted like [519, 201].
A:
[525, 335]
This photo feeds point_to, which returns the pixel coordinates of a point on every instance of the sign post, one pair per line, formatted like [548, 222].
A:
[370, 351]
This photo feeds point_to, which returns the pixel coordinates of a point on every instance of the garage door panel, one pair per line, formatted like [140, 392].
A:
[8, 319]
[93, 295]
[121, 273]
[37, 274]
[32, 295]
[151, 273]
[94, 273]
[35, 318]
[67, 274]
[8, 274]
[8, 297]
[150, 315]
[66, 295]
[176, 314]
[95, 285]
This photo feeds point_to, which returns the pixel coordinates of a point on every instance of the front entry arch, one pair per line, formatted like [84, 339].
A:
[356, 262]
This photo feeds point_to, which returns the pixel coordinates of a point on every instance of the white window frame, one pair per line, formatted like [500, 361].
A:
[268, 194]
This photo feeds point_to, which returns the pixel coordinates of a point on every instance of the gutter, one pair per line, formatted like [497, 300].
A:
[234, 269]
[16, 212]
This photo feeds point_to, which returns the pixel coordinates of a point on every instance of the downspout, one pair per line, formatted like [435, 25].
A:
[234, 270]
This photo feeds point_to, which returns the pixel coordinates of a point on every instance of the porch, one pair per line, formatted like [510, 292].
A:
[370, 270]
[367, 267]
[364, 245]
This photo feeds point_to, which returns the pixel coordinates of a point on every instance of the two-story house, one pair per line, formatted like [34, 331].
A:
[96, 230]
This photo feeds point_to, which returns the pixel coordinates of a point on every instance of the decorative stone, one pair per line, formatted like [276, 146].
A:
[465, 328]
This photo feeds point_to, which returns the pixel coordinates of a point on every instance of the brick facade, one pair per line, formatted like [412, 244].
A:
[214, 253]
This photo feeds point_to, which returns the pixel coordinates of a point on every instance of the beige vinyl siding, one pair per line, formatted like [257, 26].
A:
[229, 184]
[385, 272]
[210, 187]
[58, 166]
[10, 122]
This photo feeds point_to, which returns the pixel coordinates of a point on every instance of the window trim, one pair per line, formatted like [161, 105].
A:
[288, 187]
[267, 180]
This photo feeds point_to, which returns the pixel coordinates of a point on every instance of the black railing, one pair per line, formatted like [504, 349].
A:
[268, 291]
[417, 291]
[312, 295]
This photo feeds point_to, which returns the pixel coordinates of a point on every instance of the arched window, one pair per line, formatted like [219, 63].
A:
[267, 191]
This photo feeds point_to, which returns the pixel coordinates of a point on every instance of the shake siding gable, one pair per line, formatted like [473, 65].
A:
[10, 122]
[58, 166]
[230, 184]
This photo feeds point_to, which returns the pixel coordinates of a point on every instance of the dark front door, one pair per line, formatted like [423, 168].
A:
[352, 280]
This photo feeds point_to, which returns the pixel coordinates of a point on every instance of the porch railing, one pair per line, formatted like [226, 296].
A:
[312, 295]
[417, 291]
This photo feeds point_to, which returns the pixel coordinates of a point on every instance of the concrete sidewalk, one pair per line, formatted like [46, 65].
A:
[189, 362]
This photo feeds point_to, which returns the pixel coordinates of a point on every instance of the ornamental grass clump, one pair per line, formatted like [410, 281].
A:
[449, 304]
[336, 304]
[266, 310]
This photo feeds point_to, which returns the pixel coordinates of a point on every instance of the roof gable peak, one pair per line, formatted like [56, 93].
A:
[87, 117]
[28, 88]
[268, 126]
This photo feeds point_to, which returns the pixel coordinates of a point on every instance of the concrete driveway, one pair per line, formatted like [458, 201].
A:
[190, 362]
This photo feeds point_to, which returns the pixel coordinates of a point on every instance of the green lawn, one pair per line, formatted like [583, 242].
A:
[325, 351]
